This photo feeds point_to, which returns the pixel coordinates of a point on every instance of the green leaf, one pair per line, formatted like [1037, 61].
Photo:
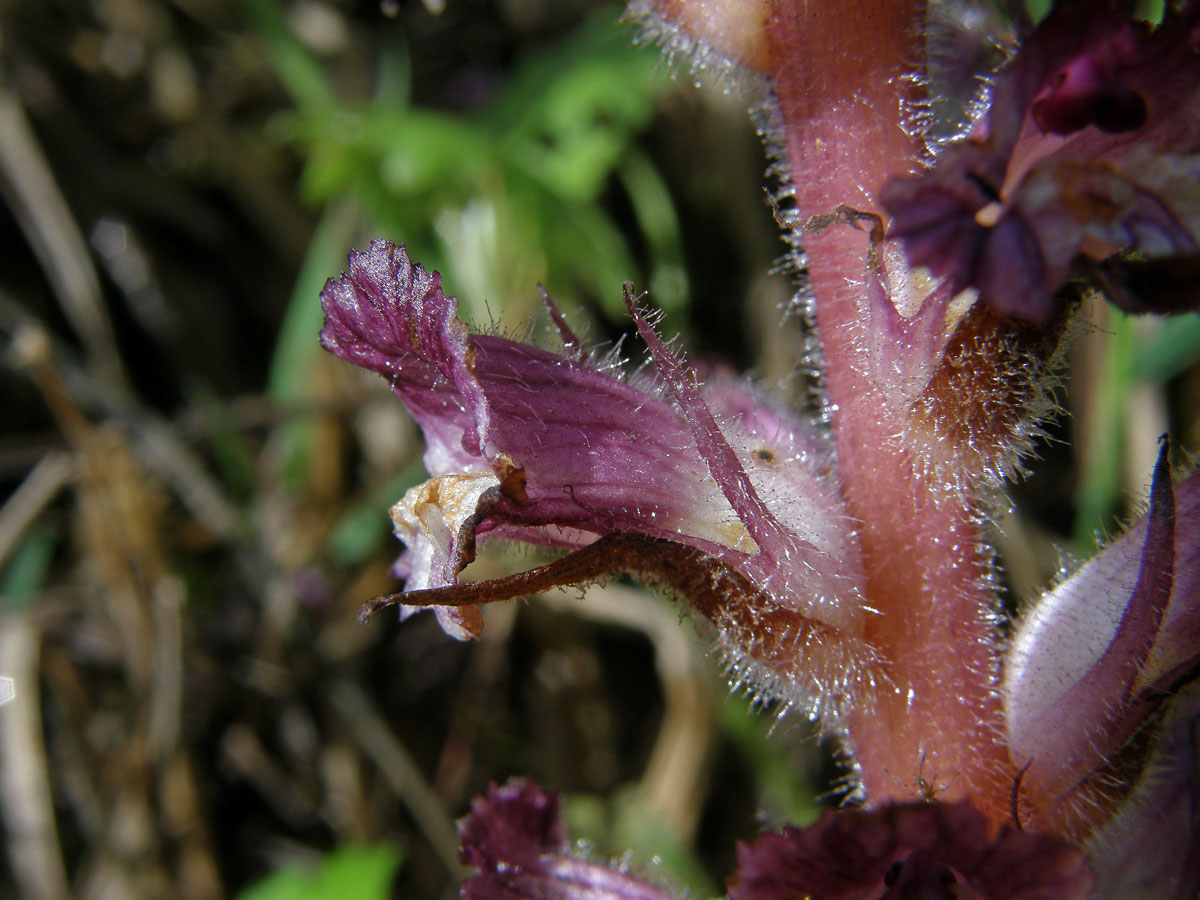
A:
[1099, 488]
[288, 379]
[655, 211]
[786, 790]
[301, 75]
[614, 824]
[362, 873]
[1173, 349]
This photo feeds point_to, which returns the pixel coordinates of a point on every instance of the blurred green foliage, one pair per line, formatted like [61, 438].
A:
[1174, 348]
[357, 533]
[26, 571]
[788, 792]
[1137, 350]
[506, 193]
[607, 825]
[361, 873]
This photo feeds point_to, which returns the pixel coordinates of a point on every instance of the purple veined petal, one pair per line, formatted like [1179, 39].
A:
[1013, 271]
[516, 839]
[952, 222]
[785, 557]
[1088, 90]
[606, 451]
[935, 220]
[549, 448]
[930, 850]
[1106, 646]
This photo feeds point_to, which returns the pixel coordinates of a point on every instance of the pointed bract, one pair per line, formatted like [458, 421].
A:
[1101, 651]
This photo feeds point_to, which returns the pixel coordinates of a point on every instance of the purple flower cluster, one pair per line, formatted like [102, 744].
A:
[845, 566]
[515, 839]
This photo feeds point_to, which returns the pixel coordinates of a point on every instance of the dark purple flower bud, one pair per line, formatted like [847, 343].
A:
[923, 851]
[515, 838]
[515, 824]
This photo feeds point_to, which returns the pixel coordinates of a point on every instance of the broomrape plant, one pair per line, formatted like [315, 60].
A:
[842, 562]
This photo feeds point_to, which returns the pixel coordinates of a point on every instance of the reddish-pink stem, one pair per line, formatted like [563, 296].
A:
[839, 72]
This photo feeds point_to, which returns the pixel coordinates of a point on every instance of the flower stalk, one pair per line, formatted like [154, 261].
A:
[843, 99]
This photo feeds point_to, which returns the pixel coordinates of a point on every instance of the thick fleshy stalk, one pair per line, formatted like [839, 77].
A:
[842, 93]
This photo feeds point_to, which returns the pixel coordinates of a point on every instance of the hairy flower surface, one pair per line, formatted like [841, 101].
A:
[705, 491]
[1090, 687]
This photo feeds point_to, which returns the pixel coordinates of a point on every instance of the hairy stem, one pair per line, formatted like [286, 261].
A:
[841, 88]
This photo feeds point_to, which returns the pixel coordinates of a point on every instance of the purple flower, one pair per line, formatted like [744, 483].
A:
[706, 491]
[931, 851]
[515, 838]
[1089, 154]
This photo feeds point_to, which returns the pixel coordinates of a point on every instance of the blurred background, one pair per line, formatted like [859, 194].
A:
[195, 496]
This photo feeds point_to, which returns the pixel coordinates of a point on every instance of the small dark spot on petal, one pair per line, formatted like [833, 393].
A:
[765, 454]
